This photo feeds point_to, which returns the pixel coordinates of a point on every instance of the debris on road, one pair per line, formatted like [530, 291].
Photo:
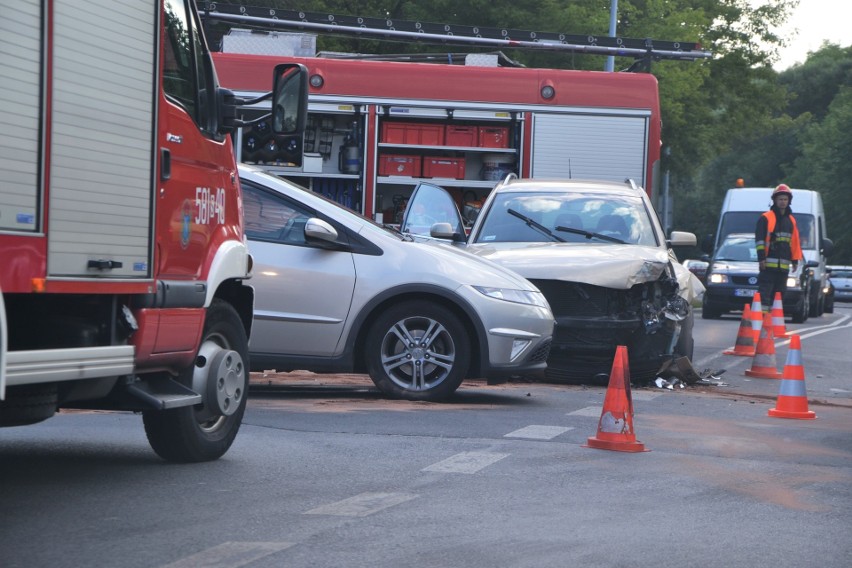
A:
[680, 373]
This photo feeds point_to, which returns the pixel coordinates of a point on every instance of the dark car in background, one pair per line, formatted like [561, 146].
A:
[731, 281]
[697, 267]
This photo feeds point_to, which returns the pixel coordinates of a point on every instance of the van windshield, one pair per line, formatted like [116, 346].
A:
[745, 222]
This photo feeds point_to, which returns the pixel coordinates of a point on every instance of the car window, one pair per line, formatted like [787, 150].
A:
[270, 217]
[622, 217]
[429, 205]
[746, 222]
[805, 224]
[841, 274]
[740, 249]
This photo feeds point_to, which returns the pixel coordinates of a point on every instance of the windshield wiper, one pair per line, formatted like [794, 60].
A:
[535, 225]
[397, 232]
[589, 234]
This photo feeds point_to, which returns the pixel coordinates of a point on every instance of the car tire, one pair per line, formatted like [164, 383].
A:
[196, 433]
[404, 344]
[829, 304]
[709, 313]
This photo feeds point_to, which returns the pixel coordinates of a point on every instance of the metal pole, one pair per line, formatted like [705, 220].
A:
[613, 11]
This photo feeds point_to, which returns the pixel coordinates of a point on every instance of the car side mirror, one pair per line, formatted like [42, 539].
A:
[682, 239]
[443, 230]
[320, 230]
[812, 264]
[827, 246]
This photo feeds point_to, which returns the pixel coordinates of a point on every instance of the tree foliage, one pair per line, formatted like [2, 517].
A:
[728, 117]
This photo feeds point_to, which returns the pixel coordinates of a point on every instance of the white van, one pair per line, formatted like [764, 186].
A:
[743, 206]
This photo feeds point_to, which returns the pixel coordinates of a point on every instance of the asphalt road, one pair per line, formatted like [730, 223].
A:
[327, 473]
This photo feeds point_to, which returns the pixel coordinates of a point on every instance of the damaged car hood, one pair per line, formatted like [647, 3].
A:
[608, 265]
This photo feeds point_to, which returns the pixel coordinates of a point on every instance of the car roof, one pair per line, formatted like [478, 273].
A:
[520, 185]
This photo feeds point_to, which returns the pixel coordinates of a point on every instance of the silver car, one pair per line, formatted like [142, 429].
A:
[597, 252]
[335, 292]
[841, 278]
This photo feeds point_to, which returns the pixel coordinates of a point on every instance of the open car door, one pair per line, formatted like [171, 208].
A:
[433, 213]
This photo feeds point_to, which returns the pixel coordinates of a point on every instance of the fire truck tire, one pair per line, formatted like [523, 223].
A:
[28, 404]
[198, 433]
[422, 368]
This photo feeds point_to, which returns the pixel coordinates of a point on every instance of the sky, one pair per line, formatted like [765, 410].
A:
[816, 21]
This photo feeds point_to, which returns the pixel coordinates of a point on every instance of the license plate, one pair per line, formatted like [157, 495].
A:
[744, 292]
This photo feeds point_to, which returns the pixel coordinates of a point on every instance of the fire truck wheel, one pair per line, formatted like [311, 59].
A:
[205, 432]
[28, 404]
[417, 351]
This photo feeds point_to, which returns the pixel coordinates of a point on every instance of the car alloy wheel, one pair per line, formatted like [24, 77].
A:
[418, 351]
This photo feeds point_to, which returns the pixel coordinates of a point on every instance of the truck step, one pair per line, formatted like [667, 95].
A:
[163, 393]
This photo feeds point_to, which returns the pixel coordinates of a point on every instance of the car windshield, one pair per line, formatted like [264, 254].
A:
[740, 248]
[567, 217]
[841, 273]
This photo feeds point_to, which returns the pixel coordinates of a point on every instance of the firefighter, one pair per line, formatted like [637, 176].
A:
[778, 246]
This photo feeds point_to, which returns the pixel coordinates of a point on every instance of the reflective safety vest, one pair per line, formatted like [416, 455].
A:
[779, 248]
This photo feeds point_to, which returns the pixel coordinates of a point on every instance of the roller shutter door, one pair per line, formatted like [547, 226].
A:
[589, 146]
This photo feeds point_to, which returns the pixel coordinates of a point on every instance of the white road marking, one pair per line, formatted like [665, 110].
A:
[230, 555]
[803, 333]
[588, 411]
[536, 432]
[362, 505]
[466, 462]
[644, 395]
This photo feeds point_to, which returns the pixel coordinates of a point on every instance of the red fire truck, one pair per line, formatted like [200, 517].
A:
[122, 253]
[376, 127]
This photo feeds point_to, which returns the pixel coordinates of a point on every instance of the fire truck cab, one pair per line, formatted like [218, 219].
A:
[122, 254]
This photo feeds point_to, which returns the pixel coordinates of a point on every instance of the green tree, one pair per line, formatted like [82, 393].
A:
[825, 166]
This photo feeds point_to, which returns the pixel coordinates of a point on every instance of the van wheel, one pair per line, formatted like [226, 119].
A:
[205, 431]
[801, 312]
[815, 309]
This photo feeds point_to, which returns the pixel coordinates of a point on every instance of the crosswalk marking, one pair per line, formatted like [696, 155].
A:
[466, 462]
[362, 505]
[587, 411]
[537, 432]
[230, 555]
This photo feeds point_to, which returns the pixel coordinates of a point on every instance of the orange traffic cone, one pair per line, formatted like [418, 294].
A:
[778, 327]
[763, 365]
[793, 399]
[615, 427]
[756, 316]
[745, 336]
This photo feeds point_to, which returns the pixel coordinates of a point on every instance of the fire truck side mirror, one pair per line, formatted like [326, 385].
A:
[290, 109]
